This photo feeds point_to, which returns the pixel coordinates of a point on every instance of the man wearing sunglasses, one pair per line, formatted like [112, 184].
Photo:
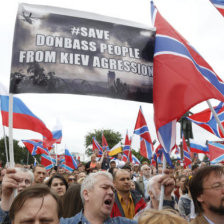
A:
[207, 191]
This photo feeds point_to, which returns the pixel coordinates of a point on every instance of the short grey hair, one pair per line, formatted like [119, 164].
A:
[89, 182]
[151, 182]
[145, 165]
[25, 170]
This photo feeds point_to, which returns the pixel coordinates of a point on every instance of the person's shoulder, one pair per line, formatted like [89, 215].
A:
[122, 220]
[73, 220]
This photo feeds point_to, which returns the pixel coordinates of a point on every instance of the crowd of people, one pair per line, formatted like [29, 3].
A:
[111, 191]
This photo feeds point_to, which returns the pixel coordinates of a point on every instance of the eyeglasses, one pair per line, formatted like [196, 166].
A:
[216, 186]
[71, 179]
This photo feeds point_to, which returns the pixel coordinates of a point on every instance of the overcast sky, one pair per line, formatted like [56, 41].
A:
[197, 20]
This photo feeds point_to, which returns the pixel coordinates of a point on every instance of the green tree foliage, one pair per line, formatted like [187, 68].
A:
[111, 136]
[21, 154]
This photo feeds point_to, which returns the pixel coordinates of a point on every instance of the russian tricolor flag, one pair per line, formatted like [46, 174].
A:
[23, 118]
[198, 148]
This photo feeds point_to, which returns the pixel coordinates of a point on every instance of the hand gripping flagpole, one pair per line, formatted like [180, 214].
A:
[215, 116]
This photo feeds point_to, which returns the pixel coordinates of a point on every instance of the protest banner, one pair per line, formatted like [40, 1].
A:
[59, 50]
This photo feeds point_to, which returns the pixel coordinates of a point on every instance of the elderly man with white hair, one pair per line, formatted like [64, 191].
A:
[153, 188]
[97, 193]
[143, 180]
[25, 178]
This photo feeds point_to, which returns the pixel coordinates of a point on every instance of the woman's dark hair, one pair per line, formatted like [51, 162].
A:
[58, 176]
[72, 202]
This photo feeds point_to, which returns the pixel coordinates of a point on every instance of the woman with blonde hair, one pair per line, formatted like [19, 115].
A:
[165, 216]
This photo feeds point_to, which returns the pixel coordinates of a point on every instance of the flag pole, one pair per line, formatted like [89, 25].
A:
[215, 116]
[130, 148]
[157, 167]
[6, 148]
[162, 186]
[11, 152]
[56, 152]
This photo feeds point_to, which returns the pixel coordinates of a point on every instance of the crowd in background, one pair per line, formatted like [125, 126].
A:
[133, 191]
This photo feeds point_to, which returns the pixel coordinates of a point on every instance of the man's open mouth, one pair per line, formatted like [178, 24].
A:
[108, 201]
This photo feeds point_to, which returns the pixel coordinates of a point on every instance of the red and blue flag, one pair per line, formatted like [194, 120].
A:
[105, 146]
[135, 160]
[216, 152]
[145, 148]
[176, 151]
[97, 146]
[70, 161]
[181, 79]
[62, 163]
[186, 154]
[158, 156]
[47, 161]
[141, 127]
[206, 120]
[127, 154]
[56, 136]
[219, 4]
[35, 147]
[68, 168]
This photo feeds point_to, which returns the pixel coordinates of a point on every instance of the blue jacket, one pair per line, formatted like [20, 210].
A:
[81, 219]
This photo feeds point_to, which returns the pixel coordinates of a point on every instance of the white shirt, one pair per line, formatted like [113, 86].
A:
[119, 163]
[145, 181]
